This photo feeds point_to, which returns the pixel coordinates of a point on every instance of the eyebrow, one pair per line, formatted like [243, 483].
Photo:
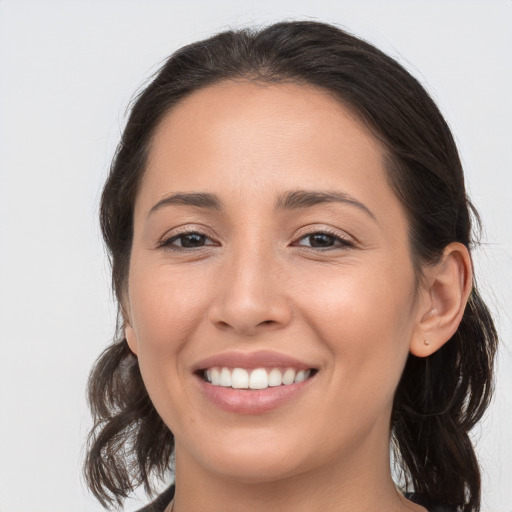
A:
[199, 199]
[306, 198]
[292, 200]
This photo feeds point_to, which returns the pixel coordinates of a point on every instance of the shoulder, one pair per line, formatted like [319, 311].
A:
[159, 504]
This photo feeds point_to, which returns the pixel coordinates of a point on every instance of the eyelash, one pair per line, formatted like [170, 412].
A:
[342, 243]
[166, 243]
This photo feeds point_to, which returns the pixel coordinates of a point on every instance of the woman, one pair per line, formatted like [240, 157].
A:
[290, 242]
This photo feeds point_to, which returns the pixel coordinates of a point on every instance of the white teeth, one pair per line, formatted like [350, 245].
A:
[240, 378]
[302, 375]
[225, 378]
[259, 378]
[274, 378]
[215, 377]
[289, 376]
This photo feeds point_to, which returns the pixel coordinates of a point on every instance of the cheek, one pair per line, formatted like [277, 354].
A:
[366, 319]
[163, 306]
[165, 311]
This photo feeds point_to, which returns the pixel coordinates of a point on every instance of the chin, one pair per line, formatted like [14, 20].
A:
[253, 460]
[259, 470]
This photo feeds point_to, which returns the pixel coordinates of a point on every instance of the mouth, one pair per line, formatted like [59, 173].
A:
[255, 378]
[252, 383]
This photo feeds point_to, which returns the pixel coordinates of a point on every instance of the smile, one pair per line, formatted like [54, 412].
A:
[252, 383]
[257, 378]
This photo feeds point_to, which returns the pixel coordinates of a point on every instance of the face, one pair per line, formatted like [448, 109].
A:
[270, 257]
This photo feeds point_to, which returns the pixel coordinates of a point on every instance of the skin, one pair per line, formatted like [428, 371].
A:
[353, 308]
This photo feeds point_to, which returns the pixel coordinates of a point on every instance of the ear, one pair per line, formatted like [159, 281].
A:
[129, 332]
[445, 290]
[131, 339]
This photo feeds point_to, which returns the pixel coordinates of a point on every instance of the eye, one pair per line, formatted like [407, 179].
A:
[323, 240]
[187, 240]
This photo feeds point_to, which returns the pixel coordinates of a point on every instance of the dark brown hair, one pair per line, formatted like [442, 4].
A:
[439, 398]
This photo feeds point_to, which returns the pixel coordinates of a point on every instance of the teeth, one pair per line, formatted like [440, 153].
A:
[215, 376]
[240, 378]
[259, 378]
[289, 377]
[275, 378]
[301, 375]
[225, 378]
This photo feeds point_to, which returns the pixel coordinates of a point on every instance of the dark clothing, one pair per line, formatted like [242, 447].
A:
[164, 499]
[161, 502]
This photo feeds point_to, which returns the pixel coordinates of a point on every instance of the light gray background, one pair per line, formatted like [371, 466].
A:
[67, 72]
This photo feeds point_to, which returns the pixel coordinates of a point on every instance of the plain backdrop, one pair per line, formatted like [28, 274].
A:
[67, 72]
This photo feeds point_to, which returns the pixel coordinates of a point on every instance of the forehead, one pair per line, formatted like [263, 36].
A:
[242, 137]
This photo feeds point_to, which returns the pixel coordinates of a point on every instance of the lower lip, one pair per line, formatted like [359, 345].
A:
[243, 401]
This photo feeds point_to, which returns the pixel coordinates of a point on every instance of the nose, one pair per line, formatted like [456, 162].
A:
[252, 296]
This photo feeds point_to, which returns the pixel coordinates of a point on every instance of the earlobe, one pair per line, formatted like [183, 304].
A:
[131, 339]
[129, 332]
[447, 287]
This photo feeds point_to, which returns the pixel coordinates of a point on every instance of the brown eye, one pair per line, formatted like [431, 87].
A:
[192, 240]
[323, 241]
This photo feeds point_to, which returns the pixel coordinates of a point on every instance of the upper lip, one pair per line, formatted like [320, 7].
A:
[259, 359]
